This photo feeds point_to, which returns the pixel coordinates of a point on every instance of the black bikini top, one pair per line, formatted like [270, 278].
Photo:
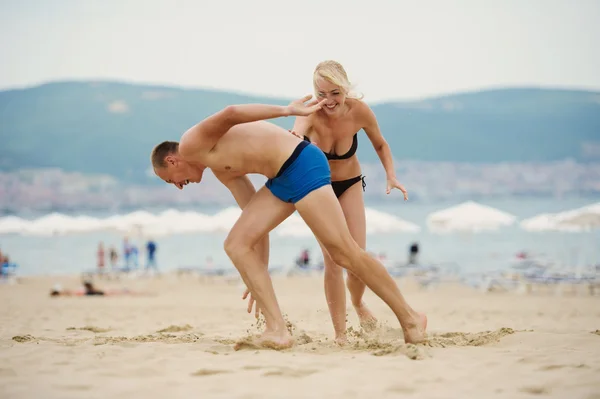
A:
[334, 156]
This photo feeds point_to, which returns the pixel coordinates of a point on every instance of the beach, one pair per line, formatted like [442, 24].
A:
[177, 340]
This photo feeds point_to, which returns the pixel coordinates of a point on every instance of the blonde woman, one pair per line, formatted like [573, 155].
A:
[334, 129]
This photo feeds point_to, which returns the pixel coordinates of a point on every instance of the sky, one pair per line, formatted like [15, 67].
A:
[391, 49]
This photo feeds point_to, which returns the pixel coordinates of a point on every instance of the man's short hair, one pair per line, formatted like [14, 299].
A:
[160, 152]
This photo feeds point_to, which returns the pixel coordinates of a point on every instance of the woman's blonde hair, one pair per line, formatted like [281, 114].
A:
[334, 73]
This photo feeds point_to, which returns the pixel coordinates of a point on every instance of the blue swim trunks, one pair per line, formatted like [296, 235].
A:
[304, 171]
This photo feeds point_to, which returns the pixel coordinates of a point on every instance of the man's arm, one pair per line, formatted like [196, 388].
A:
[243, 190]
[204, 135]
[302, 125]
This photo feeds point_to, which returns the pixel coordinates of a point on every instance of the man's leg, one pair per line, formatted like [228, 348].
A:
[322, 212]
[262, 251]
[259, 217]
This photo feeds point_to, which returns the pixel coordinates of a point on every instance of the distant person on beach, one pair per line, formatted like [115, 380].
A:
[303, 260]
[236, 141]
[114, 257]
[334, 129]
[413, 253]
[151, 255]
[7, 268]
[127, 253]
[100, 255]
[90, 290]
[135, 256]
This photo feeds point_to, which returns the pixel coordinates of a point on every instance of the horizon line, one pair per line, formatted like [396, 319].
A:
[440, 95]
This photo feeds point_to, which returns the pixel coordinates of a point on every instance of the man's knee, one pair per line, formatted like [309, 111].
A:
[345, 255]
[235, 246]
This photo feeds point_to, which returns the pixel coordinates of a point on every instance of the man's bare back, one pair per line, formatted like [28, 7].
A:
[255, 147]
[299, 180]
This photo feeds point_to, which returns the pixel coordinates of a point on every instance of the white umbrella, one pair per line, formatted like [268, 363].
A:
[224, 220]
[176, 222]
[468, 217]
[381, 222]
[376, 222]
[576, 220]
[293, 226]
[585, 218]
[13, 224]
[131, 222]
[545, 222]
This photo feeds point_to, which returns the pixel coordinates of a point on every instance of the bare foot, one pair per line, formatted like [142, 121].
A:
[268, 340]
[415, 333]
[341, 339]
[368, 322]
[273, 340]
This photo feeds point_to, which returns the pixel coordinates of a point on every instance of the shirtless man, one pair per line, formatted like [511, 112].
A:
[237, 141]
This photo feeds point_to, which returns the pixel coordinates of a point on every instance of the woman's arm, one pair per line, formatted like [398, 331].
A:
[381, 146]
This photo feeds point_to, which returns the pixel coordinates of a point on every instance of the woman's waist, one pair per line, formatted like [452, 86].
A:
[346, 169]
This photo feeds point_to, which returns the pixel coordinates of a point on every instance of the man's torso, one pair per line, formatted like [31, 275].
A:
[255, 147]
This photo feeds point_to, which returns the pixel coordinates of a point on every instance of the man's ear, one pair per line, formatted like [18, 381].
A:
[171, 160]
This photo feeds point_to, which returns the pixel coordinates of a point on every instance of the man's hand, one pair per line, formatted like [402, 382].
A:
[302, 137]
[251, 303]
[299, 108]
[393, 183]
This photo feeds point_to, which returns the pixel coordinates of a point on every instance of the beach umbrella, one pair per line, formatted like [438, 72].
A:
[545, 222]
[13, 224]
[585, 218]
[468, 217]
[376, 222]
[59, 224]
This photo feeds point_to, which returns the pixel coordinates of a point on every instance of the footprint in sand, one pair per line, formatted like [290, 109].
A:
[289, 372]
[23, 338]
[535, 390]
[174, 328]
[410, 351]
[252, 367]
[207, 372]
[90, 328]
[467, 339]
[74, 387]
[400, 389]
[552, 367]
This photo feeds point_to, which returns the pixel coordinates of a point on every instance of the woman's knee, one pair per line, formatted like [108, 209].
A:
[352, 279]
[332, 270]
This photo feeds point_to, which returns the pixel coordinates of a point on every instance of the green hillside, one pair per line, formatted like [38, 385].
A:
[111, 127]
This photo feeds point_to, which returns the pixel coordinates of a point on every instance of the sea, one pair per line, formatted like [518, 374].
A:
[469, 252]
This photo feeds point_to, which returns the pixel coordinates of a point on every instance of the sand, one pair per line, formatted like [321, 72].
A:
[179, 343]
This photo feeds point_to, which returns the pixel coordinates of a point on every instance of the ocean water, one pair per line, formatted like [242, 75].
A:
[486, 251]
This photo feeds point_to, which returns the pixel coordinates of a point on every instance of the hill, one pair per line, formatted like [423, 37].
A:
[110, 128]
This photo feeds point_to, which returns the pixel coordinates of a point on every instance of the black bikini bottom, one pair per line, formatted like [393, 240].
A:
[340, 187]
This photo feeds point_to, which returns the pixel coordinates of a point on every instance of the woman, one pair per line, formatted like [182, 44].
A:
[334, 130]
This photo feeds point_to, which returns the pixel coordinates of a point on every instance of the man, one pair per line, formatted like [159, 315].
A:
[237, 141]
[151, 252]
